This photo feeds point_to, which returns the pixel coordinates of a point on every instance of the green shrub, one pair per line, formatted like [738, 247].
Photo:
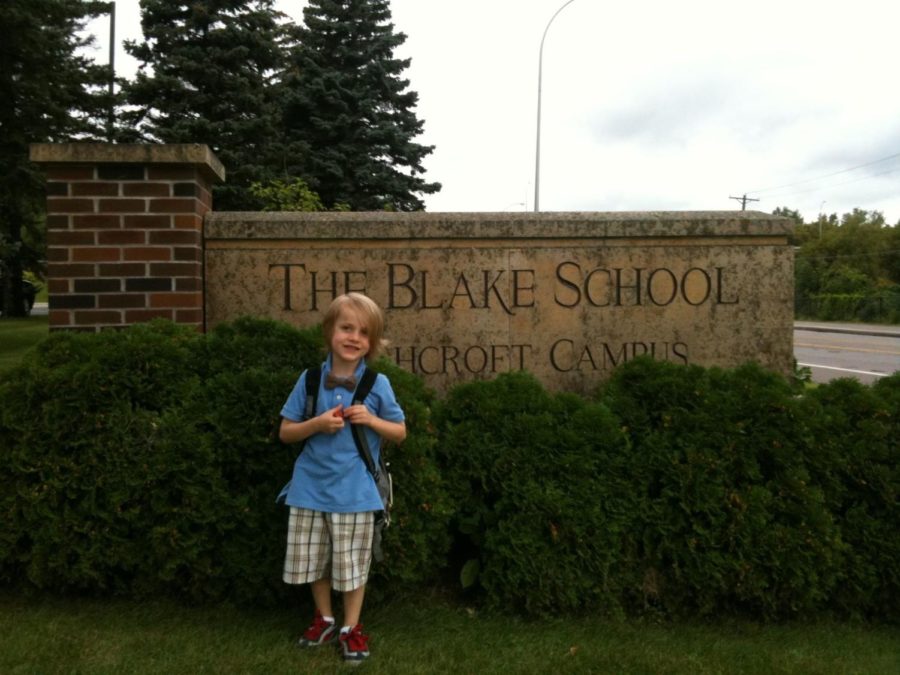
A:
[97, 466]
[727, 519]
[250, 367]
[144, 461]
[854, 455]
[538, 488]
[415, 545]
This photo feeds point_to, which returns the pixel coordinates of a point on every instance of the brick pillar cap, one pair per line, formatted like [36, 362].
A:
[195, 154]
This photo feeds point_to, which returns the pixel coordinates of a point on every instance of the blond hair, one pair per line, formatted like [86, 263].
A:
[370, 316]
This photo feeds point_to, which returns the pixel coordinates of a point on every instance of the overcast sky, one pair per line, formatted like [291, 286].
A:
[654, 105]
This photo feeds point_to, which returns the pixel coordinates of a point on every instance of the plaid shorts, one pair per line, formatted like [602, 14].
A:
[322, 545]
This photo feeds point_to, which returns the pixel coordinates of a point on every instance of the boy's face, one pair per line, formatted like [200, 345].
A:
[350, 339]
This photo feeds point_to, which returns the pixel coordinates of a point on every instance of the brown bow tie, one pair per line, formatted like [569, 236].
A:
[332, 381]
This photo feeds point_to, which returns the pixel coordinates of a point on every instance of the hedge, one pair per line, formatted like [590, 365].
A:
[143, 462]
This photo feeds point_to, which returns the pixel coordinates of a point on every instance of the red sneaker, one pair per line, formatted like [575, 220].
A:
[354, 645]
[319, 632]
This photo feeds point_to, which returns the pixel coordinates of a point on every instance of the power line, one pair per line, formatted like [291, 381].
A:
[833, 185]
[829, 175]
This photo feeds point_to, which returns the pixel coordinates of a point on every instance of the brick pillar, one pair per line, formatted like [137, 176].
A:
[125, 232]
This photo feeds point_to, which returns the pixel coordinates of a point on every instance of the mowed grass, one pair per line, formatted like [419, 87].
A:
[17, 336]
[429, 635]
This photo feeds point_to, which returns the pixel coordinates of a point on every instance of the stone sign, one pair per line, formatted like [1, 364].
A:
[566, 296]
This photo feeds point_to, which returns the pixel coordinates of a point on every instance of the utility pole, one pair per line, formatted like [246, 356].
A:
[743, 200]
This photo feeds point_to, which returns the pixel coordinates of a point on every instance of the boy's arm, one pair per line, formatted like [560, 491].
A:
[389, 431]
[329, 422]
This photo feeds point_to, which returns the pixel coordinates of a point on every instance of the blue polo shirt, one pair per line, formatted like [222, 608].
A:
[329, 475]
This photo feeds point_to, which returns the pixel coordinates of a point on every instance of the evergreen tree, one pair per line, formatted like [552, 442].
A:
[348, 114]
[208, 74]
[48, 92]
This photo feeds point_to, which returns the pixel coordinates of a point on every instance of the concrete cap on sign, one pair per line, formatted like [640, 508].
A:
[545, 225]
[195, 154]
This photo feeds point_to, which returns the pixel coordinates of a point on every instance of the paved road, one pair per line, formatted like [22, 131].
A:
[832, 350]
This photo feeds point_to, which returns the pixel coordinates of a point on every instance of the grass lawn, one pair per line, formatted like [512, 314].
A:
[425, 636]
[17, 336]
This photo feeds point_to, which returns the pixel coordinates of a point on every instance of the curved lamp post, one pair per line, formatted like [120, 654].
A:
[537, 152]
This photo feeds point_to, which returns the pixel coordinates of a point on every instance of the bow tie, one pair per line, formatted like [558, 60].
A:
[332, 381]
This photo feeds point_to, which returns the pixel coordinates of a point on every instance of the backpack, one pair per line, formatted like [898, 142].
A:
[380, 473]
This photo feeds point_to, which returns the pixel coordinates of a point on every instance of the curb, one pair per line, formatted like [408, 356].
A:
[874, 332]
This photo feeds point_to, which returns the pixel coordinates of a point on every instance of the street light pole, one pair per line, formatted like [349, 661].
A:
[537, 152]
[111, 120]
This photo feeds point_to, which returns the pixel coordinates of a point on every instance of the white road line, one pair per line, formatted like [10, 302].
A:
[843, 370]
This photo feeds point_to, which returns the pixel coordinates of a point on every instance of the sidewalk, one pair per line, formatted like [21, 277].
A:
[877, 330]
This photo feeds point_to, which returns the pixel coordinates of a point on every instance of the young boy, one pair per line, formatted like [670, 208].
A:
[332, 496]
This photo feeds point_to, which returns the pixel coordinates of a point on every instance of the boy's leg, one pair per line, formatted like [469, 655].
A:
[321, 592]
[306, 561]
[352, 555]
[353, 602]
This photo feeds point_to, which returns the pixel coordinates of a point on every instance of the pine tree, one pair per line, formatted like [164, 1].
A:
[348, 114]
[208, 74]
[48, 92]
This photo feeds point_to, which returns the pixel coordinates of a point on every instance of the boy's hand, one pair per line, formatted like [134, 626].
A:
[332, 421]
[358, 414]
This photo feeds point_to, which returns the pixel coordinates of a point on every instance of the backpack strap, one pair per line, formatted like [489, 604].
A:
[359, 437]
[313, 377]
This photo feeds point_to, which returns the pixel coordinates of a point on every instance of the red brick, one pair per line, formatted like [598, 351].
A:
[173, 205]
[138, 315]
[189, 315]
[60, 270]
[103, 285]
[71, 172]
[188, 284]
[181, 300]
[148, 222]
[174, 173]
[122, 237]
[69, 238]
[185, 254]
[123, 269]
[123, 205]
[57, 254]
[73, 301]
[148, 253]
[57, 222]
[122, 300]
[58, 285]
[96, 222]
[175, 237]
[97, 316]
[96, 254]
[175, 269]
[95, 189]
[147, 189]
[69, 205]
[189, 222]
[59, 317]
